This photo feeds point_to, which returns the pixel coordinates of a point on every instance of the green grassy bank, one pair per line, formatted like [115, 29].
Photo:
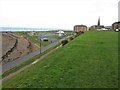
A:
[90, 60]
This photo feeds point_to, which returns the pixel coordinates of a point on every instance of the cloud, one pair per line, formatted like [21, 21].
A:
[57, 13]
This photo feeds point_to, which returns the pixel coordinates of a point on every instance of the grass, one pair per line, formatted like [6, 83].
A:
[89, 61]
[33, 38]
[27, 62]
[53, 37]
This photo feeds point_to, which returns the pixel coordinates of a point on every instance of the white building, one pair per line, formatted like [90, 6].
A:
[61, 33]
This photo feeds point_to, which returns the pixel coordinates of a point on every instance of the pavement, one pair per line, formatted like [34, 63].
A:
[12, 64]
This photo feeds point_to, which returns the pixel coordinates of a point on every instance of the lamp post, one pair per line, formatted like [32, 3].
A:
[40, 43]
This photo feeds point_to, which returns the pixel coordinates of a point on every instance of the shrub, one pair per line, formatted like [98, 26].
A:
[71, 38]
[64, 42]
[78, 33]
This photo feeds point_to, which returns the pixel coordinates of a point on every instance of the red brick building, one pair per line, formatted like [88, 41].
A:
[78, 28]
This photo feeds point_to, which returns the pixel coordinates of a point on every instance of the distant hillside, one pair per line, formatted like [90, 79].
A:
[14, 46]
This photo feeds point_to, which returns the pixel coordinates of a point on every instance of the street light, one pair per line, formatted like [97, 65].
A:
[40, 43]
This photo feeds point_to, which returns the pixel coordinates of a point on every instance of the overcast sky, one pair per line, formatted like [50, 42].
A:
[57, 13]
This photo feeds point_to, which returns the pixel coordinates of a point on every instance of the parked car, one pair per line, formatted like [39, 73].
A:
[45, 39]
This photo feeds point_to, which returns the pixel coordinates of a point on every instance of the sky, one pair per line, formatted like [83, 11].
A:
[57, 13]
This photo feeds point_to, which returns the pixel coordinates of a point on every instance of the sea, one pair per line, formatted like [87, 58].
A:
[2, 29]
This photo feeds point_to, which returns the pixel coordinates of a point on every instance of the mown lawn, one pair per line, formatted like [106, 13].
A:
[90, 60]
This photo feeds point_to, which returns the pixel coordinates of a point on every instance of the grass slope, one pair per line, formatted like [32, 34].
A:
[91, 60]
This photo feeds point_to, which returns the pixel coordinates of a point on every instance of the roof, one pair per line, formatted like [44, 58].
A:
[80, 26]
[108, 27]
[117, 22]
[60, 31]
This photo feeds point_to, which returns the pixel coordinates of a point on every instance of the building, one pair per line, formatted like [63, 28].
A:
[32, 33]
[119, 11]
[78, 28]
[116, 26]
[108, 27]
[61, 33]
[98, 26]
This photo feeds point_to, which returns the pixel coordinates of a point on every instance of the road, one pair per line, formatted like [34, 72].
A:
[24, 58]
[27, 66]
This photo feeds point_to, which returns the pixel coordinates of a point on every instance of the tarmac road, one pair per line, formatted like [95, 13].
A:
[24, 58]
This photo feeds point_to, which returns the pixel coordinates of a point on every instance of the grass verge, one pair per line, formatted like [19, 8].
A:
[26, 62]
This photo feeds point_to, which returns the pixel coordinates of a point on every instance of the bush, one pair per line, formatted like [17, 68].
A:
[64, 42]
[78, 33]
[71, 38]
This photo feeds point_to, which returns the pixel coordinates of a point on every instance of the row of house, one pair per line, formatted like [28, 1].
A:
[115, 26]
[78, 28]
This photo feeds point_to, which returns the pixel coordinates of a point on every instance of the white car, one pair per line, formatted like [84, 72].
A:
[45, 39]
